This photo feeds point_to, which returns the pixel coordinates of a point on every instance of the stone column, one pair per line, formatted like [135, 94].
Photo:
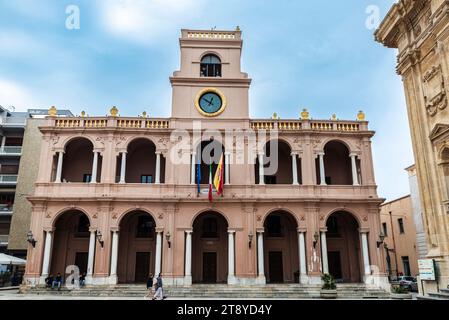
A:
[228, 167]
[192, 168]
[231, 262]
[365, 253]
[123, 168]
[322, 171]
[157, 180]
[324, 252]
[302, 256]
[47, 254]
[59, 167]
[188, 259]
[294, 168]
[260, 256]
[91, 256]
[94, 168]
[261, 169]
[114, 257]
[158, 260]
[355, 178]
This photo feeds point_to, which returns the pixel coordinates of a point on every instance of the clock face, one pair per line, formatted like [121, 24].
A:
[210, 102]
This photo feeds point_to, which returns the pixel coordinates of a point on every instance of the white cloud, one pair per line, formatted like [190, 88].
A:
[14, 94]
[145, 21]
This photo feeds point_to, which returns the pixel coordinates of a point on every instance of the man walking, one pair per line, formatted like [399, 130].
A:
[159, 290]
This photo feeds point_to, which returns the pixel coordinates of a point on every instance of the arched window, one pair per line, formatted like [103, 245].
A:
[210, 66]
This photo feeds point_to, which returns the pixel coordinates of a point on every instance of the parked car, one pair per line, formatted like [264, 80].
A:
[408, 282]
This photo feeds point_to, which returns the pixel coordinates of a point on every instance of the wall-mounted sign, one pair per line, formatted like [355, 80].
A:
[426, 269]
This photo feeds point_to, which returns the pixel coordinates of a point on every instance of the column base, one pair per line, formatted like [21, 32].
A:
[304, 279]
[100, 281]
[33, 281]
[232, 280]
[313, 280]
[188, 280]
[377, 281]
[42, 279]
[113, 279]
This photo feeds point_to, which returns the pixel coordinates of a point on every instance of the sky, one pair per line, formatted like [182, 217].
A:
[320, 55]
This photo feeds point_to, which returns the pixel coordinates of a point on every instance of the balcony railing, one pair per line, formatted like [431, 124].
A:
[314, 125]
[4, 239]
[8, 178]
[11, 150]
[129, 123]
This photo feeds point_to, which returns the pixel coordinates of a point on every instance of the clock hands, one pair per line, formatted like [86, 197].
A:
[209, 102]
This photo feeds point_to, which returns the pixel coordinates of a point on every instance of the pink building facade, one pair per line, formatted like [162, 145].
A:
[122, 197]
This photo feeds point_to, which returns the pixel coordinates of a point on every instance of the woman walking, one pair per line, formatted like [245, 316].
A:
[149, 285]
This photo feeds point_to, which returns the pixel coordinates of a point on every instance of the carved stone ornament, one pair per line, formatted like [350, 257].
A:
[259, 218]
[114, 215]
[160, 216]
[365, 218]
[435, 92]
[439, 102]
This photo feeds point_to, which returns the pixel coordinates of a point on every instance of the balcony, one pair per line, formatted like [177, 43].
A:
[5, 210]
[8, 179]
[11, 151]
[169, 192]
[4, 240]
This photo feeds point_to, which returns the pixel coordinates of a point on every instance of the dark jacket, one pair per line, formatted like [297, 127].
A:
[149, 283]
[159, 282]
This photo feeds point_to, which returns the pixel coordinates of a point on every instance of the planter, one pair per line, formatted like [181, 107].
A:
[328, 294]
[401, 296]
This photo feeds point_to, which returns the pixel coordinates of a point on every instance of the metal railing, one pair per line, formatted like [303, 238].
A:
[11, 150]
[4, 238]
[8, 178]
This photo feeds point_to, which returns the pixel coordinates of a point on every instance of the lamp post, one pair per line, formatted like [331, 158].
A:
[99, 237]
[167, 236]
[30, 238]
[250, 239]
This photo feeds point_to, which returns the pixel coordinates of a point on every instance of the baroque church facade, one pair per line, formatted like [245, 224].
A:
[123, 197]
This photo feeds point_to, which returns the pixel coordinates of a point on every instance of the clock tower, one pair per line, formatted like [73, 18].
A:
[210, 83]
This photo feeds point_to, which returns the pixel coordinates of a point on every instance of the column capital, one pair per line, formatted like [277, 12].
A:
[323, 230]
[353, 154]
[115, 229]
[189, 231]
[227, 153]
[97, 151]
[364, 230]
[301, 230]
[158, 152]
[159, 229]
[260, 230]
[231, 230]
[92, 229]
[294, 153]
[49, 229]
[59, 151]
[260, 153]
[320, 153]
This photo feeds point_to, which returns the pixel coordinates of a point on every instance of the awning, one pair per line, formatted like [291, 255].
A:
[10, 260]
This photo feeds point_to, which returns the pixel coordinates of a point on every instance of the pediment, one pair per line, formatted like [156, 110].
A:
[439, 130]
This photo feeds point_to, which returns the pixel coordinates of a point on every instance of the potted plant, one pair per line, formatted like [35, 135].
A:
[329, 288]
[400, 293]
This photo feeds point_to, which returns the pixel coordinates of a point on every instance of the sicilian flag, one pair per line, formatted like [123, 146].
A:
[210, 182]
[198, 174]
[218, 178]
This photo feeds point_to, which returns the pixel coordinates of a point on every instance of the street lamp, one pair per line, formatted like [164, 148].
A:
[30, 239]
[250, 238]
[316, 236]
[167, 236]
[99, 237]
[381, 240]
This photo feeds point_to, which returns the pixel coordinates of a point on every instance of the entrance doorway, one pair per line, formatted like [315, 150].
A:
[142, 266]
[209, 267]
[210, 248]
[276, 269]
[81, 261]
[335, 264]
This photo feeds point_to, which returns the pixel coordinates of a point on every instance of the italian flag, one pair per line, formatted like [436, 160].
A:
[218, 179]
